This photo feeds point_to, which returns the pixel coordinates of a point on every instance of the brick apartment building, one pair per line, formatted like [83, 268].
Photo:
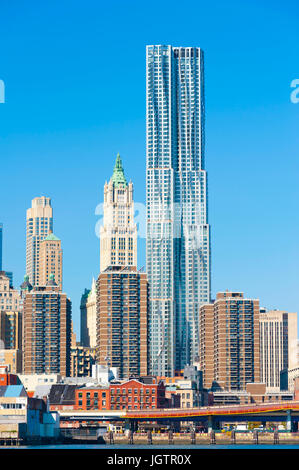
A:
[229, 353]
[47, 331]
[122, 302]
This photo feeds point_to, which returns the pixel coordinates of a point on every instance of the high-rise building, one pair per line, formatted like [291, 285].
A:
[11, 329]
[39, 225]
[9, 298]
[50, 254]
[88, 308]
[9, 274]
[10, 320]
[278, 345]
[118, 235]
[122, 302]
[47, 330]
[84, 335]
[178, 233]
[229, 354]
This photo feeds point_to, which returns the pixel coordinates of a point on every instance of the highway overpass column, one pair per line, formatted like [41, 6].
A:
[292, 425]
[129, 425]
[289, 421]
[213, 424]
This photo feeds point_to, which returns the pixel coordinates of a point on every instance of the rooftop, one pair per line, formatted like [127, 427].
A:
[118, 177]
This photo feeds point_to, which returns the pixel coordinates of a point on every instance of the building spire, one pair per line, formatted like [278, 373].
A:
[118, 177]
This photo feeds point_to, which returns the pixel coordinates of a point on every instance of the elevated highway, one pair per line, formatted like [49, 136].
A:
[287, 411]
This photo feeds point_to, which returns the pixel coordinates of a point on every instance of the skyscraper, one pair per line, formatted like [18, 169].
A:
[88, 310]
[47, 330]
[178, 233]
[278, 345]
[118, 234]
[50, 253]
[122, 305]
[39, 224]
[9, 274]
[229, 352]
[10, 314]
[9, 297]
[121, 290]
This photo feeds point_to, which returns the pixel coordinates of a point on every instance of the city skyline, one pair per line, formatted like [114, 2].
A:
[245, 198]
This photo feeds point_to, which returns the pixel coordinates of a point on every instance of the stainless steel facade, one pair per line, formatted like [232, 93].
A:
[178, 233]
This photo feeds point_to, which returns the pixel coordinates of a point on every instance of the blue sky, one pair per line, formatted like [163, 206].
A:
[74, 74]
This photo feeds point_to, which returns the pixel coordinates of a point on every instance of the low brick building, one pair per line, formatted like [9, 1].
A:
[92, 398]
[131, 394]
[136, 395]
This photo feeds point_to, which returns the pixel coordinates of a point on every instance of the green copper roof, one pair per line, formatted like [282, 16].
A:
[118, 177]
[52, 237]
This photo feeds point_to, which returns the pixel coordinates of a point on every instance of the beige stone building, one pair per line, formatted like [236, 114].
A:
[278, 345]
[38, 225]
[11, 358]
[229, 353]
[9, 298]
[10, 315]
[118, 235]
[50, 260]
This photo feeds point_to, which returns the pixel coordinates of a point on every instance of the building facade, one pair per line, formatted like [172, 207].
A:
[278, 345]
[82, 360]
[130, 395]
[50, 260]
[229, 353]
[122, 304]
[39, 224]
[9, 297]
[118, 235]
[10, 320]
[12, 358]
[178, 233]
[88, 310]
[11, 329]
[47, 331]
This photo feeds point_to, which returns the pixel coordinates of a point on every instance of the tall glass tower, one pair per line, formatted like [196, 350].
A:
[178, 233]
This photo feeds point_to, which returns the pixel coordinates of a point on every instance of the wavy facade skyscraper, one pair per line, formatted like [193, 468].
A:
[178, 233]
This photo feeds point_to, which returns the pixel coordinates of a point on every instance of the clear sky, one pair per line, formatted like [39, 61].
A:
[74, 75]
